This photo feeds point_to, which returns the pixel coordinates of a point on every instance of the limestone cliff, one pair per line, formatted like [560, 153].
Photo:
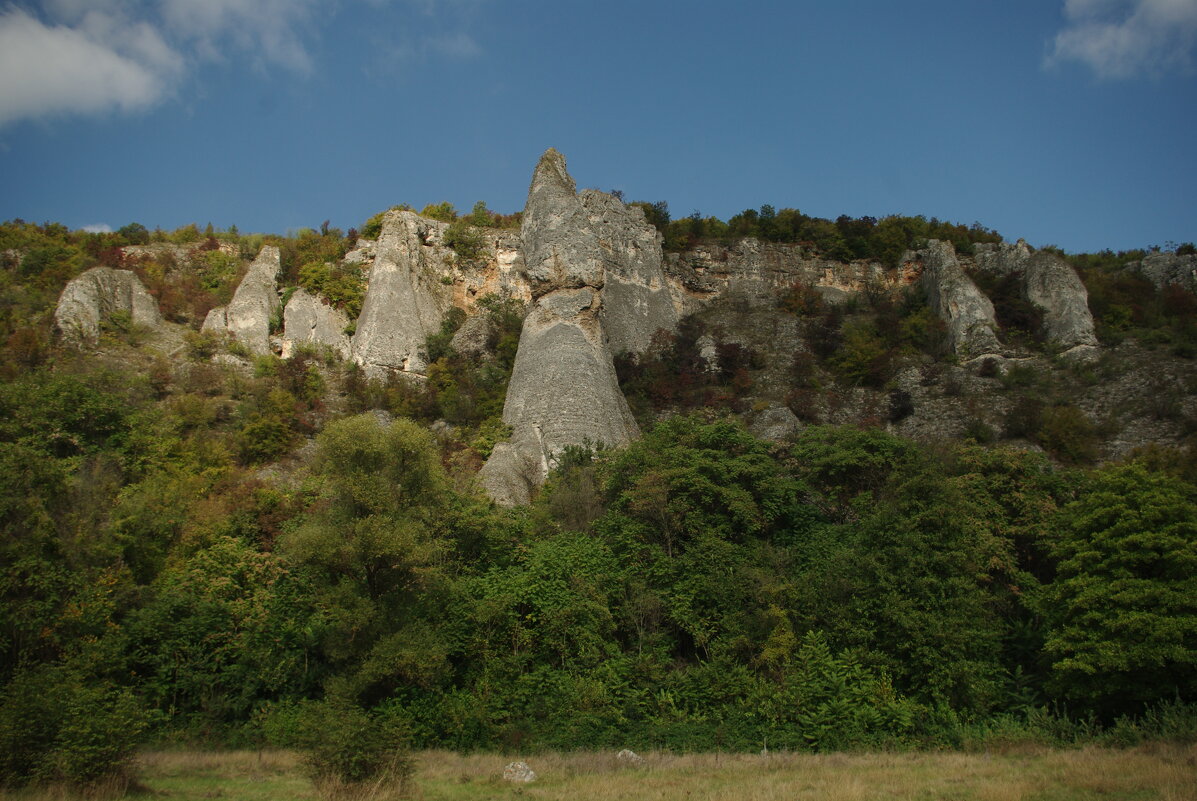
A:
[95, 296]
[1050, 284]
[1163, 269]
[563, 389]
[636, 301]
[406, 300]
[256, 301]
[307, 320]
[955, 299]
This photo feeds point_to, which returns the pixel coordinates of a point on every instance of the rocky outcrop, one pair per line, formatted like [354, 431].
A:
[247, 317]
[955, 299]
[95, 296]
[563, 389]
[757, 271]
[1050, 284]
[1164, 269]
[636, 301]
[308, 320]
[406, 300]
[473, 338]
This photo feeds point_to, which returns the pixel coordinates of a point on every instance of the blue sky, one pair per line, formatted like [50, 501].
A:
[1066, 122]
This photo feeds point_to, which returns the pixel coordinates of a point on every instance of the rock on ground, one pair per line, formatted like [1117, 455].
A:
[519, 772]
[95, 296]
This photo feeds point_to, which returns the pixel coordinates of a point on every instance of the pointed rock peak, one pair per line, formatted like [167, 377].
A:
[551, 175]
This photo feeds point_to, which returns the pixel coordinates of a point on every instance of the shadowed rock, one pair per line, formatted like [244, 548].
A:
[1163, 269]
[406, 300]
[256, 301]
[563, 388]
[95, 296]
[952, 295]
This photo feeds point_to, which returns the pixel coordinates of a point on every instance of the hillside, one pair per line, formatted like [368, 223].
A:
[588, 476]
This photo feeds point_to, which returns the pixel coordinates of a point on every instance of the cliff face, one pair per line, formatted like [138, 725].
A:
[406, 300]
[256, 301]
[95, 296]
[563, 389]
[952, 295]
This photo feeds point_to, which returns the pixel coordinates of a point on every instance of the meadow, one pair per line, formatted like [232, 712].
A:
[1154, 771]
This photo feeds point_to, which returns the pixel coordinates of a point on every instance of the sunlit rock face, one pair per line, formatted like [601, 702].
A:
[95, 296]
[563, 388]
[256, 301]
[406, 300]
[1050, 284]
[965, 311]
[308, 320]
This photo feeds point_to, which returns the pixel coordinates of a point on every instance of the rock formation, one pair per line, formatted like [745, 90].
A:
[1051, 285]
[406, 300]
[96, 295]
[1163, 269]
[307, 320]
[563, 389]
[247, 317]
[636, 301]
[952, 295]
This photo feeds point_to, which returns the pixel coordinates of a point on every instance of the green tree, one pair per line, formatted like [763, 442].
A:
[1124, 605]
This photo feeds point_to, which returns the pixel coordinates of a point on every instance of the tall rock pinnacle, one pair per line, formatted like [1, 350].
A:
[563, 388]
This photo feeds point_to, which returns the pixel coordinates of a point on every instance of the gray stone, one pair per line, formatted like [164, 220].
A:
[248, 315]
[308, 320]
[629, 757]
[405, 300]
[636, 301]
[563, 389]
[1052, 285]
[97, 294]
[519, 772]
[1163, 269]
[955, 299]
[774, 423]
[363, 252]
[473, 338]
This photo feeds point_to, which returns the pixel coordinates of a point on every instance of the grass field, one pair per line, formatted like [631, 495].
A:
[1160, 771]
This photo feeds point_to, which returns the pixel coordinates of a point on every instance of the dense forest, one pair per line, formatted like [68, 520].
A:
[196, 553]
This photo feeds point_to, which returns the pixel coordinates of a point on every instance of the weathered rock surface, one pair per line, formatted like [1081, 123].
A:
[256, 301]
[1053, 286]
[953, 296]
[406, 300]
[473, 338]
[636, 301]
[307, 320]
[1163, 269]
[519, 772]
[774, 423]
[96, 295]
[1050, 284]
[563, 389]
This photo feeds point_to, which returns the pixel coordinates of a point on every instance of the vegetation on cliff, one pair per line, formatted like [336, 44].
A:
[175, 565]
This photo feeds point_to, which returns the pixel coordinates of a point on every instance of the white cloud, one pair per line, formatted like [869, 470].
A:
[96, 56]
[1123, 38]
[50, 69]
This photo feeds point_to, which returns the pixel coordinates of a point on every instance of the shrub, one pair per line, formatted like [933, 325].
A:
[351, 753]
[55, 726]
[464, 240]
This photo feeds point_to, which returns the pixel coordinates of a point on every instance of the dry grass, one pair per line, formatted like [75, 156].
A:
[1160, 771]
[1155, 772]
